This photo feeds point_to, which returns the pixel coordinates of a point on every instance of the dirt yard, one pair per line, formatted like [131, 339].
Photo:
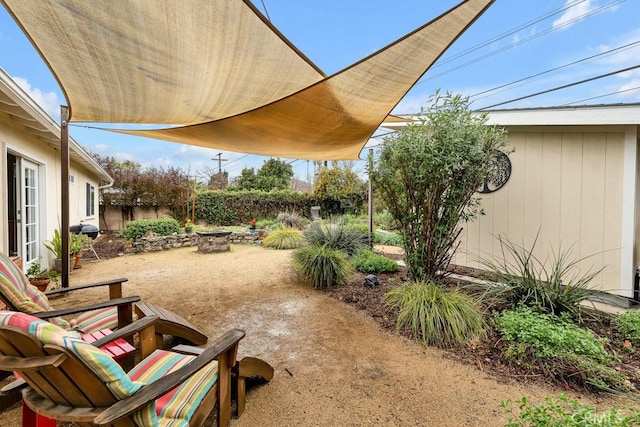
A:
[334, 365]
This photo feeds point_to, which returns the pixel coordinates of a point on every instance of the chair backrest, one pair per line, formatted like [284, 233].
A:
[18, 294]
[87, 378]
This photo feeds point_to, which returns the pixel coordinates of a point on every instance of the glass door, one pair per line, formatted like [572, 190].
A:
[29, 217]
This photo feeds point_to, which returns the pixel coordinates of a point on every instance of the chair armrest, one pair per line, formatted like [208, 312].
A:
[226, 343]
[74, 310]
[115, 288]
[146, 330]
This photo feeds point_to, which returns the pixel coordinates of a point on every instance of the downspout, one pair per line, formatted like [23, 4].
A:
[64, 177]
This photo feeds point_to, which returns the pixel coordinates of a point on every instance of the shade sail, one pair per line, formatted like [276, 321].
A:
[162, 61]
[219, 68]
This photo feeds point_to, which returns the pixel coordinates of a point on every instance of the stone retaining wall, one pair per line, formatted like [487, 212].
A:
[152, 244]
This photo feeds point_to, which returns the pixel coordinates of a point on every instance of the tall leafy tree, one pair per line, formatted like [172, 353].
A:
[427, 176]
[274, 174]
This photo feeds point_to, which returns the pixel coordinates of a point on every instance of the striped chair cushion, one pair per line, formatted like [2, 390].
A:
[96, 320]
[176, 407]
[15, 287]
[98, 361]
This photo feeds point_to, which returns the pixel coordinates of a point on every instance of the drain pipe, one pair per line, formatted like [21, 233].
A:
[636, 285]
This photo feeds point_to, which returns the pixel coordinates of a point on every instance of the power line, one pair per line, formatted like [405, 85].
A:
[519, 42]
[508, 33]
[600, 96]
[265, 11]
[589, 58]
[562, 87]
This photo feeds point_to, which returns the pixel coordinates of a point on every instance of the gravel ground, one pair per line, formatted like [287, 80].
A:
[334, 365]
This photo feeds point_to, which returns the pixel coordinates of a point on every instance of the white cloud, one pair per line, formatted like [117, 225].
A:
[101, 148]
[573, 12]
[47, 100]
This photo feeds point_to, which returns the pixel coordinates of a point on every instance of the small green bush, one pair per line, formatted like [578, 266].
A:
[366, 261]
[561, 349]
[565, 412]
[139, 228]
[335, 235]
[385, 220]
[628, 324]
[284, 238]
[524, 279]
[433, 315]
[391, 238]
[321, 266]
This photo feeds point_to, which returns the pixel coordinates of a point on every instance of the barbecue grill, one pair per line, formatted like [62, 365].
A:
[88, 230]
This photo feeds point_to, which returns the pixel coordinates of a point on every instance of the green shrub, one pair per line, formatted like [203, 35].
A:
[524, 279]
[565, 412]
[434, 315]
[366, 261]
[335, 235]
[391, 239]
[561, 349]
[284, 238]
[628, 324]
[160, 226]
[321, 266]
[385, 220]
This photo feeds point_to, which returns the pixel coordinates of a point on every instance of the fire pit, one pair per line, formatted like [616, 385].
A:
[214, 241]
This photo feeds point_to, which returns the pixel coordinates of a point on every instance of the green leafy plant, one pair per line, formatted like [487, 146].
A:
[628, 324]
[159, 226]
[77, 242]
[387, 238]
[367, 261]
[552, 286]
[427, 175]
[335, 235]
[285, 238]
[560, 349]
[55, 245]
[564, 412]
[434, 315]
[35, 269]
[321, 266]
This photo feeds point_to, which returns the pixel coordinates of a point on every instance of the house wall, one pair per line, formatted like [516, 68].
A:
[567, 187]
[29, 147]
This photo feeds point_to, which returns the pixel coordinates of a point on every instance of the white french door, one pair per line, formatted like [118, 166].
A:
[29, 213]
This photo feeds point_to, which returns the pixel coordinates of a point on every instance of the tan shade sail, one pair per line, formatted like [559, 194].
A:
[228, 74]
[162, 61]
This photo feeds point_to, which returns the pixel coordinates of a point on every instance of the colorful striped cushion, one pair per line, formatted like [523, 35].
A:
[98, 361]
[15, 287]
[176, 407]
[96, 320]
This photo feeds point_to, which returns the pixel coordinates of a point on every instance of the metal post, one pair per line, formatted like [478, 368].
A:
[370, 204]
[64, 177]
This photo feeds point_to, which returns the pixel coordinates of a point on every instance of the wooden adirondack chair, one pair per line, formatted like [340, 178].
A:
[71, 380]
[19, 295]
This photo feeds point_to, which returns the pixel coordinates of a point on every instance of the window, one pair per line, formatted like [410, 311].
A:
[91, 198]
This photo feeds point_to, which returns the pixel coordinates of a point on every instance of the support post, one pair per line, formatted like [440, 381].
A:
[64, 181]
[370, 204]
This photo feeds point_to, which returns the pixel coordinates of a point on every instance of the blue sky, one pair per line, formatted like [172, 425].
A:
[513, 40]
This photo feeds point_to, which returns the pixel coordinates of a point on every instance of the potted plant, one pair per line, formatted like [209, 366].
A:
[36, 277]
[252, 226]
[77, 242]
[188, 226]
[55, 246]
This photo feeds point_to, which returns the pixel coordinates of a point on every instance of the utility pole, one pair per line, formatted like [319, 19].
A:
[220, 160]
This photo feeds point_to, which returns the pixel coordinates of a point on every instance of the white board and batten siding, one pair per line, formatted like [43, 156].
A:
[573, 185]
